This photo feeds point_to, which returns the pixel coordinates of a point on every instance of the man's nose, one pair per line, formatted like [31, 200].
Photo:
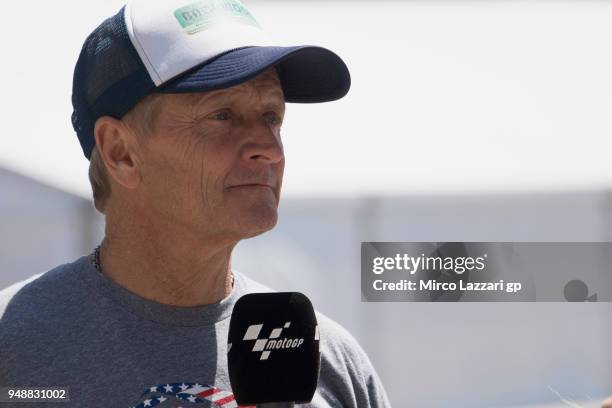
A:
[263, 145]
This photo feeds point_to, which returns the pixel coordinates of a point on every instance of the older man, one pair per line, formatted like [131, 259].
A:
[179, 108]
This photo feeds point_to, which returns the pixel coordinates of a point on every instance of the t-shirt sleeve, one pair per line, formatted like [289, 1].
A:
[6, 294]
[9, 329]
[347, 377]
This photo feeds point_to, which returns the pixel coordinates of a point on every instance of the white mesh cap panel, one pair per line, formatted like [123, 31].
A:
[173, 36]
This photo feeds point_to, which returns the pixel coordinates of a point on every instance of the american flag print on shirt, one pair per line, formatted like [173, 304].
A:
[187, 393]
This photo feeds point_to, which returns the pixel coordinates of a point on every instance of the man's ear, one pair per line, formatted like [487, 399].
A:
[115, 144]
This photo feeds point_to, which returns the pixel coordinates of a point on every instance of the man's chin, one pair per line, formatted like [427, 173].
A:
[257, 222]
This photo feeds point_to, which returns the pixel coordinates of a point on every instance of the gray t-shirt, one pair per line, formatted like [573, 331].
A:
[74, 327]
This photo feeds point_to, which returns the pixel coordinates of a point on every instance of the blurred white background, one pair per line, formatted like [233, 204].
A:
[466, 121]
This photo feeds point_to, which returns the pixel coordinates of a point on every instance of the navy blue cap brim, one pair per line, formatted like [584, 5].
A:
[308, 74]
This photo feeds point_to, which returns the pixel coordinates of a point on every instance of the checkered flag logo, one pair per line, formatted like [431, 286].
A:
[265, 345]
[252, 333]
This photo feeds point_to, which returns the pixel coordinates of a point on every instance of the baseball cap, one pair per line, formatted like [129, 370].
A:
[175, 46]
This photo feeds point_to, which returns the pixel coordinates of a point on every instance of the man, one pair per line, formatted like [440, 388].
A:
[179, 108]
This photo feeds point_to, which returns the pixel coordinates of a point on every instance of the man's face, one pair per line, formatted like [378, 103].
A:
[214, 161]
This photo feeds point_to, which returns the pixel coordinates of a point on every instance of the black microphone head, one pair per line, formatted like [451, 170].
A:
[273, 348]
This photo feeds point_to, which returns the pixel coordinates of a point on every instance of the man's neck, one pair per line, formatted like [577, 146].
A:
[169, 271]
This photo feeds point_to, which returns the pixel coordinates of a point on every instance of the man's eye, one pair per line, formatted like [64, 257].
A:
[222, 115]
[274, 119]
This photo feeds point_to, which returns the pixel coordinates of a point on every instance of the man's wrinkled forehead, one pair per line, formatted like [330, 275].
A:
[265, 86]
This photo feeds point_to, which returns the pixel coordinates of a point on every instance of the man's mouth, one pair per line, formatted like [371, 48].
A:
[252, 185]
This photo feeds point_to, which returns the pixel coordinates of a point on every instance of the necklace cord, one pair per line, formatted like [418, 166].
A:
[95, 261]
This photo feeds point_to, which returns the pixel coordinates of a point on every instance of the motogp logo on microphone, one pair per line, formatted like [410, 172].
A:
[274, 342]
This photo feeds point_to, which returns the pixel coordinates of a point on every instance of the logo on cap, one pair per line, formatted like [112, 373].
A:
[199, 16]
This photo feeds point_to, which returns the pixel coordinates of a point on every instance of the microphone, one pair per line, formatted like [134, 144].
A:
[273, 350]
